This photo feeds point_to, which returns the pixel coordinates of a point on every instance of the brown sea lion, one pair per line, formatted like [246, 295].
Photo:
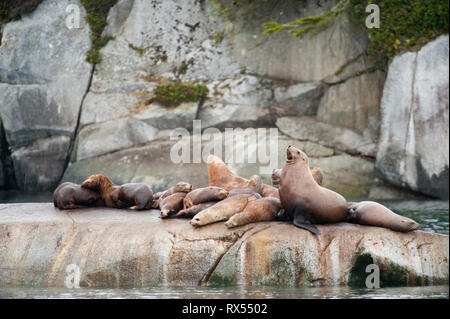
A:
[172, 204]
[254, 186]
[223, 210]
[263, 209]
[103, 185]
[138, 195]
[69, 196]
[375, 214]
[181, 187]
[194, 210]
[204, 194]
[304, 201]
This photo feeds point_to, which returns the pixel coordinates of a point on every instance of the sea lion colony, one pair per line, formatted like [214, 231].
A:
[296, 195]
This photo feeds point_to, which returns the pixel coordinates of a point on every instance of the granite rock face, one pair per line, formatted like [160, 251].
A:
[44, 77]
[125, 248]
[414, 138]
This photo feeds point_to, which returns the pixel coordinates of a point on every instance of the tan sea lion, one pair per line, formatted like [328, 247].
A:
[204, 194]
[223, 210]
[375, 214]
[103, 185]
[194, 210]
[172, 204]
[254, 186]
[263, 209]
[303, 199]
[70, 196]
[181, 187]
[138, 195]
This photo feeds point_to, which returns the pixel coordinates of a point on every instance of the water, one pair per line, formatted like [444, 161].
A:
[433, 215]
[229, 292]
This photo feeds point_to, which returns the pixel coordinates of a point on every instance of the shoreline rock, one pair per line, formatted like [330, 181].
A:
[125, 248]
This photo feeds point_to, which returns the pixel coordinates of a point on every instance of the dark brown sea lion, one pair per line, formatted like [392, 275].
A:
[181, 187]
[254, 186]
[105, 187]
[172, 204]
[375, 214]
[193, 210]
[204, 194]
[69, 196]
[263, 209]
[223, 210]
[134, 194]
[303, 199]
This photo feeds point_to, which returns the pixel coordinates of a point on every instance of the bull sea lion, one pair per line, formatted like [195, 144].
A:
[105, 187]
[375, 214]
[223, 210]
[263, 209]
[202, 195]
[303, 199]
[194, 210]
[172, 204]
[181, 187]
[70, 196]
[137, 195]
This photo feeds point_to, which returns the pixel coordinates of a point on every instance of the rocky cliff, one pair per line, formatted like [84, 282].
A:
[120, 248]
[64, 116]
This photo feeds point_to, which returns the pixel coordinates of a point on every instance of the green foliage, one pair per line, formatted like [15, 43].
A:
[177, 93]
[139, 50]
[358, 275]
[404, 25]
[311, 24]
[97, 12]
[13, 9]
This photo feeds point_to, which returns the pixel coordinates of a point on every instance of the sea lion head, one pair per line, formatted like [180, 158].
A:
[409, 225]
[295, 155]
[96, 182]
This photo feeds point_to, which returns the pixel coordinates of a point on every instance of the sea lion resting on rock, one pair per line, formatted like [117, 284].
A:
[254, 186]
[205, 194]
[307, 203]
[375, 214]
[263, 209]
[172, 204]
[70, 196]
[194, 210]
[123, 196]
[181, 187]
[303, 199]
[223, 210]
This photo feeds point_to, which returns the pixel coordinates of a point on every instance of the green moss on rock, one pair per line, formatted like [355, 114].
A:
[176, 93]
[358, 273]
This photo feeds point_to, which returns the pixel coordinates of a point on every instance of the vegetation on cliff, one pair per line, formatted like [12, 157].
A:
[14, 9]
[177, 93]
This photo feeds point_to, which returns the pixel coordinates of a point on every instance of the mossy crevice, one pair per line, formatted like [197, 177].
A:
[11, 10]
[96, 15]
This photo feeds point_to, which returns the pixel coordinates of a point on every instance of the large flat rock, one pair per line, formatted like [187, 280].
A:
[125, 248]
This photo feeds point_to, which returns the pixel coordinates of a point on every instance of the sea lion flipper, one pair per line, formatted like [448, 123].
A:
[301, 221]
[282, 215]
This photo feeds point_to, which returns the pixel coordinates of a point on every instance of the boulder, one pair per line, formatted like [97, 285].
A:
[338, 137]
[44, 77]
[414, 136]
[111, 248]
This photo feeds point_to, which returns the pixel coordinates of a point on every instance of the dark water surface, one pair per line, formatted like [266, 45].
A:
[433, 215]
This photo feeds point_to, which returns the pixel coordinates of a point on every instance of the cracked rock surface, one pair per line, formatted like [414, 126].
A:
[125, 248]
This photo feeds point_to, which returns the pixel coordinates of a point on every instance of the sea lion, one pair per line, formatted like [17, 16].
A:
[202, 195]
[70, 196]
[223, 210]
[194, 210]
[263, 209]
[254, 186]
[181, 187]
[133, 194]
[103, 185]
[303, 199]
[375, 214]
[172, 204]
